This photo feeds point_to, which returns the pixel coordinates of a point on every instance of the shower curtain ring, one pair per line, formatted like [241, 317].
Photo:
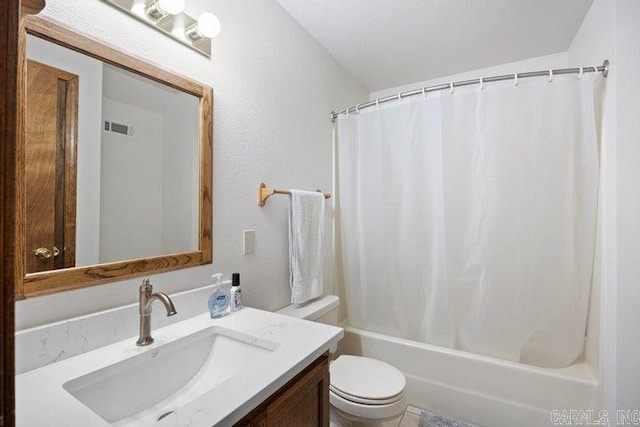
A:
[481, 83]
[595, 69]
[451, 88]
[400, 97]
[580, 74]
[378, 102]
[424, 90]
[358, 108]
[515, 79]
[550, 75]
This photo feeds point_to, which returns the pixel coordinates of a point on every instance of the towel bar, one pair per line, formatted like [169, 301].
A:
[264, 193]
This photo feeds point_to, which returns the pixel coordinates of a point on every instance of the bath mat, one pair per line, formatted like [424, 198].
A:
[430, 419]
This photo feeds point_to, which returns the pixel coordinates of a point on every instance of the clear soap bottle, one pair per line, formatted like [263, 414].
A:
[219, 299]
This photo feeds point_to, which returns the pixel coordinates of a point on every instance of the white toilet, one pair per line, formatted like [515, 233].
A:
[364, 391]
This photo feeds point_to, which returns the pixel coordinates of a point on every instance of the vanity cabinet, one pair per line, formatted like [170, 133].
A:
[303, 401]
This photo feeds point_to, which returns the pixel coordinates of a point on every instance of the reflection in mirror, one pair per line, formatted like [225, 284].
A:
[136, 143]
[117, 156]
[50, 167]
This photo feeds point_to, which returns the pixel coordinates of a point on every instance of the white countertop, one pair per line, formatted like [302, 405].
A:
[41, 400]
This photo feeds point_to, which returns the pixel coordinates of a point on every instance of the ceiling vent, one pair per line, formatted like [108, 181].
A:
[118, 128]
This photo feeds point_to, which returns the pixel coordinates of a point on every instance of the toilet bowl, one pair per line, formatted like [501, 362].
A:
[363, 392]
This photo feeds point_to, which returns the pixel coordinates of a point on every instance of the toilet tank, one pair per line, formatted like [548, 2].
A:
[322, 310]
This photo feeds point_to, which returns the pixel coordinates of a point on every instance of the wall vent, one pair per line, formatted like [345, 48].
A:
[118, 128]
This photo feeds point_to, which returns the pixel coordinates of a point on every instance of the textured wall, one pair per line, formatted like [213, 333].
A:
[628, 206]
[611, 29]
[274, 87]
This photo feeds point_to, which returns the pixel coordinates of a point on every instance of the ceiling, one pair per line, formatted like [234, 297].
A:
[388, 43]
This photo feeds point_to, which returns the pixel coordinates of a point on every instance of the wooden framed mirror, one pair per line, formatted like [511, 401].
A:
[115, 164]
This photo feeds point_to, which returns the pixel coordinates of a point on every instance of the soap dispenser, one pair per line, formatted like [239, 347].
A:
[219, 299]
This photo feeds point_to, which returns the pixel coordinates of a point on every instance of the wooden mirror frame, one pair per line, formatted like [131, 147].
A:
[35, 284]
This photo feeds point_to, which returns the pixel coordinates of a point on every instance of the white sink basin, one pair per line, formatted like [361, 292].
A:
[143, 388]
[210, 371]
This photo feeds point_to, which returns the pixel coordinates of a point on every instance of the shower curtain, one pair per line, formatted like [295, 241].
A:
[468, 220]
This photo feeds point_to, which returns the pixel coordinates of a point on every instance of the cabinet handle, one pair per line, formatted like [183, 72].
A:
[44, 253]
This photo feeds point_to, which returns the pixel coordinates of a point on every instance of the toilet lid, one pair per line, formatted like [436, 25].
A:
[366, 380]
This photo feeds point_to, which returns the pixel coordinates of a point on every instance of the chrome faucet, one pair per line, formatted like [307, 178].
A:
[146, 298]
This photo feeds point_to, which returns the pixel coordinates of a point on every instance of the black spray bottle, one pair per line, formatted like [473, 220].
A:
[236, 292]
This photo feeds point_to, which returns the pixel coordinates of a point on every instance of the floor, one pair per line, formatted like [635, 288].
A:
[412, 415]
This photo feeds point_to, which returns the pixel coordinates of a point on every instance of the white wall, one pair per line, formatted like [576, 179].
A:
[274, 87]
[627, 64]
[89, 72]
[612, 30]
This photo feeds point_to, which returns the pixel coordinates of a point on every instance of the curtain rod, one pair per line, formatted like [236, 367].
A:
[604, 69]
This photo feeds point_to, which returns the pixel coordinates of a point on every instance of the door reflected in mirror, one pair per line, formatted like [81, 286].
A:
[136, 145]
[50, 167]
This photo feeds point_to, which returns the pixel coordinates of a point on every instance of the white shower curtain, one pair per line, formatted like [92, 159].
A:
[468, 220]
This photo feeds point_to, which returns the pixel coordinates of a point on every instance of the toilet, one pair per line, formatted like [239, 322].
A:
[364, 392]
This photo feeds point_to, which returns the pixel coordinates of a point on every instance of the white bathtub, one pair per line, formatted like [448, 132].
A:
[478, 389]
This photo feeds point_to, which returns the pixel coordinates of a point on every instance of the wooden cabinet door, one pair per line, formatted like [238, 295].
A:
[303, 401]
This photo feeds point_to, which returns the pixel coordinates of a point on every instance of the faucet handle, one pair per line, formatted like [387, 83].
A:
[146, 286]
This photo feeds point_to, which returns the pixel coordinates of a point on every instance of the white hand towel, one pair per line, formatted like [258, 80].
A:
[306, 228]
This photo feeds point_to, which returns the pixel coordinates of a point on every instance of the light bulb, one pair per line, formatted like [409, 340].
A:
[178, 32]
[139, 8]
[208, 25]
[172, 7]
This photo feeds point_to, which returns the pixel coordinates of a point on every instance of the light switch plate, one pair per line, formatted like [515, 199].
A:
[248, 242]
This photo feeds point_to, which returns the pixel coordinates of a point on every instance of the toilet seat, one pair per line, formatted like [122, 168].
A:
[364, 401]
[358, 411]
[366, 381]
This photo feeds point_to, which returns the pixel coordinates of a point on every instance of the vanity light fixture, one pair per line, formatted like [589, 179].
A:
[169, 17]
[208, 25]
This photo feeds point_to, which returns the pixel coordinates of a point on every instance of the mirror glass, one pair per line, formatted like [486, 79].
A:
[111, 163]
